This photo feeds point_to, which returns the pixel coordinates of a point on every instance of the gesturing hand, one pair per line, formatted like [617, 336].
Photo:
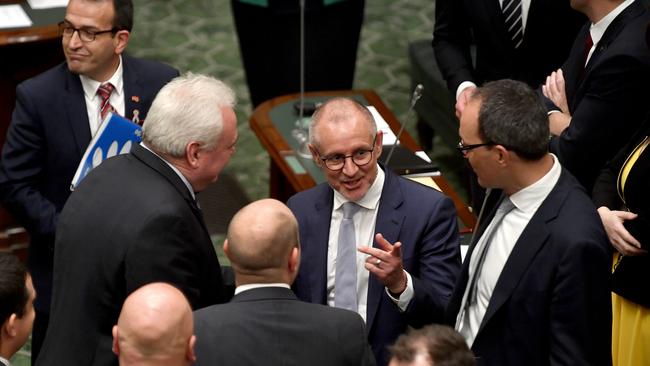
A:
[385, 262]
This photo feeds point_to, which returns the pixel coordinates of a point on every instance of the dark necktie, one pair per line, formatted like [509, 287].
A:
[515, 27]
[589, 42]
[104, 93]
[345, 277]
[504, 208]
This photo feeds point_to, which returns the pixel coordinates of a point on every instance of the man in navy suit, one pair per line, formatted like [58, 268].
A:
[599, 95]
[534, 287]
[406, 234]
[56, 115]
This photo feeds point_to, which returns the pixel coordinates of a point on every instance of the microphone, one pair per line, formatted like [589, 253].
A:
[417, 94]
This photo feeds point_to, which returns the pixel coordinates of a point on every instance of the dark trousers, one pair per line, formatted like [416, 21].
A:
[269, 42]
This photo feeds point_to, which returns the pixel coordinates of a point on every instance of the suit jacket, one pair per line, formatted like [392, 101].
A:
[629, 277]
[549, 33]
[551, 304]
[47, 138]
[131, 221]
[422, 219]
[607, 99]
[270, 326]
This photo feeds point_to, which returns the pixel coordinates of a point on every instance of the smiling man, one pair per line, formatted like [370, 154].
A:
[372, 242]
[134, 220]
[56, 115]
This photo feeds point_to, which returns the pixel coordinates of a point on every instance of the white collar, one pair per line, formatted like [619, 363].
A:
[251, 286]
[531, 197]
[597, 30]
[178, 172]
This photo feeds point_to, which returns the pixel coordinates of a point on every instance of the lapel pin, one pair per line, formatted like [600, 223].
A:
[136, 116]
[135, 98]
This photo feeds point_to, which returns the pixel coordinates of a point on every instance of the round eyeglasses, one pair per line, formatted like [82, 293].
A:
[359, 158]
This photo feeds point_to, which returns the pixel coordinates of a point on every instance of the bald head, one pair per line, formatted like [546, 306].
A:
[340, 111]
[155, 327]
[262, 238]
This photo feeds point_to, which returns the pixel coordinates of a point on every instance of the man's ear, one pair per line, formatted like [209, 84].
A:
[504, 155]
[226, 248]
[190, 349]
[116, 343]
[314, 155]
[294, 260]
[121, 40]
[192, 153]
[9, 326]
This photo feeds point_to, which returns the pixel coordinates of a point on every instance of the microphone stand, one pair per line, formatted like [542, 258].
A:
[417, 94]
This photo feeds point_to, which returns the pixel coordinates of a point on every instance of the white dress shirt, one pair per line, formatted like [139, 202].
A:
[251, 286]
[4, 361]
[598, 29]
[364, 228]
[526, 202]
[93, 100]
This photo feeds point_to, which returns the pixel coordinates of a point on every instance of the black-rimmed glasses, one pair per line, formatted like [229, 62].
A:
[67, 31]
[463, 149]
[359, 158]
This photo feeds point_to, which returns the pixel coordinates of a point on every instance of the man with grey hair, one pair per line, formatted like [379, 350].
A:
[534, 285]
[134, 220]
[373, 242]
[155, 328]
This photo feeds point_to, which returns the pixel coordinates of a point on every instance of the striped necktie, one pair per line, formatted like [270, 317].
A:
[515, 27]
[104, 91]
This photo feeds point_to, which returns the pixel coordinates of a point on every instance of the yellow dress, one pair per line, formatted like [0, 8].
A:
[630, 331]
[630, 321]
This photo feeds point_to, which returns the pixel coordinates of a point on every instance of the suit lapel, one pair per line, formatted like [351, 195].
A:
[531, 241]
[390, 219]
[76, 112]
[315, 254]
[132, 92]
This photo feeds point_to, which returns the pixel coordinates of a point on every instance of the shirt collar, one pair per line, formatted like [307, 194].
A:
[371, 199]
[5, 361]
[178, 172]
[251, 286]
[597, 30]
[90, 86]
[531, 197]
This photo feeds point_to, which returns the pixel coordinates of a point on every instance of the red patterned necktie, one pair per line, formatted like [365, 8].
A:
[588, 44]
[104, 93]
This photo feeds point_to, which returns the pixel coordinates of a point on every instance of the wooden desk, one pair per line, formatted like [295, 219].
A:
[272, 122]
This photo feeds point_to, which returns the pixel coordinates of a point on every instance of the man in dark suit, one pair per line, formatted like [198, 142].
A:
[406, 233]
[16, 306]
[134, 220]
[155, 328]
[534, 288]
[498, 56]
[599, 96]
[265, 323]
[56, 115]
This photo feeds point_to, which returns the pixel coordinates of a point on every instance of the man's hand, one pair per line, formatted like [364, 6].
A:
[385, 262]
[463, 99]
[620, 238]
[554, 90]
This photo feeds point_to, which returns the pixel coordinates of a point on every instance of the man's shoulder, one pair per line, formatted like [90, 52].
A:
[308, 196]
[149, 69]
[47, 80]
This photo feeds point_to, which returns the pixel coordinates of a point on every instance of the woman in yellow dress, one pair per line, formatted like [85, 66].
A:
[622, 195]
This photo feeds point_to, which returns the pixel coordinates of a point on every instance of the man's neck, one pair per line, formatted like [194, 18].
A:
[527, 173]
[600, 9]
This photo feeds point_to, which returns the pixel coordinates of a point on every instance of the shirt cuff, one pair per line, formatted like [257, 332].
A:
[464, 85]
[405, 297]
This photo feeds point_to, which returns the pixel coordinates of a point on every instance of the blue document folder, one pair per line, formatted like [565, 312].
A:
[115, 136]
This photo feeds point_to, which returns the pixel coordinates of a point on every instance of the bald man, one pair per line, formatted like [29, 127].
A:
[265, 323]
[155, 328]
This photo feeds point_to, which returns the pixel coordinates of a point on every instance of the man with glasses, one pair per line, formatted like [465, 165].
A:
[372, 242]
[534, 285]
[56, 115]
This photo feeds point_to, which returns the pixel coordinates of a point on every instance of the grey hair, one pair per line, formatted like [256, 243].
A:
[340, 113]
[512, 115]
[187, 109]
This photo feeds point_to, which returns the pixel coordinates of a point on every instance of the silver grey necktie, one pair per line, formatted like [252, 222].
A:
[345, 278]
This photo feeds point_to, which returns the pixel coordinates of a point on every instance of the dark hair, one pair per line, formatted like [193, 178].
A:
[13, 290]
[513, 115]
[445, 346]
[123, 15]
